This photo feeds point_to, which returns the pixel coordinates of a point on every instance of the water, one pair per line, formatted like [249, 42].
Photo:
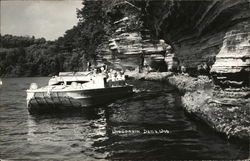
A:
[123, 130]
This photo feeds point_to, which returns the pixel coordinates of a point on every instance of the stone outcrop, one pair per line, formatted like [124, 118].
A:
[204, 32]
[232, 65]
[151, 76]
[234, 55]
[226, 111]
[210, 33]
[130, 42]
[213, 34]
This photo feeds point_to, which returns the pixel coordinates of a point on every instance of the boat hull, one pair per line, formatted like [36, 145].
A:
[43, 101]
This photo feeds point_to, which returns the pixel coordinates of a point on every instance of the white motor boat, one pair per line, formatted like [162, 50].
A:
[75, 90]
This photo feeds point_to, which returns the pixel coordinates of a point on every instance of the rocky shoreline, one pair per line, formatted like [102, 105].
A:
[151, 76]
[224, 110]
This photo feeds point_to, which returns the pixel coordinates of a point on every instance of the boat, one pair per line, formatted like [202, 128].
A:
[76, 90]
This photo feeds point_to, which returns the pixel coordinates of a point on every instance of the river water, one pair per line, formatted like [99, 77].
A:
[148, 125]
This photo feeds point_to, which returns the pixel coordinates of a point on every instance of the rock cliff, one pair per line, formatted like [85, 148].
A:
[215, 33]
[212, 32]
[130, 44]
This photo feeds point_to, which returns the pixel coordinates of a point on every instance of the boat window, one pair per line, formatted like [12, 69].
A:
[69, 82]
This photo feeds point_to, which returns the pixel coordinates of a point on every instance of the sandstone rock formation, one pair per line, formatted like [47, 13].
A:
[197, 30]
[232, 65]
[131, 44]
[215, 33]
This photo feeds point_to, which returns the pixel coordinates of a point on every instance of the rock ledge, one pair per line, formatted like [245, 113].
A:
[226, 111]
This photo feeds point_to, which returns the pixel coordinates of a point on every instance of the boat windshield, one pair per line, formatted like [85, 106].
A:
[69, 82]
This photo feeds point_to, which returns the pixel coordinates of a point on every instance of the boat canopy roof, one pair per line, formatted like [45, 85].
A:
[70, 77]
[74, 73]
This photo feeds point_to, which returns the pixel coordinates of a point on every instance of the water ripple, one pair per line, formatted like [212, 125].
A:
[94, 134]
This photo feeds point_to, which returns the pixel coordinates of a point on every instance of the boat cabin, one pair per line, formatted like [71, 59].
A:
[87, 81]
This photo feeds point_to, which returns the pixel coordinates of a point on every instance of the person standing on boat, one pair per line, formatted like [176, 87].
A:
[95, 72]
[88, 66]
[114, 76]
[102, 69]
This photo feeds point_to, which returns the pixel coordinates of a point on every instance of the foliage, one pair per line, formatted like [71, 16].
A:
[10, 41]
[37, 60]
[29, 56]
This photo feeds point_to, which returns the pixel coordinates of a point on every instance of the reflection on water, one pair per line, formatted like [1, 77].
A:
[131, 128]
[67, 134]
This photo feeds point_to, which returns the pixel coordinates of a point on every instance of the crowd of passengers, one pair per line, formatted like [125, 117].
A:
[110, 75]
